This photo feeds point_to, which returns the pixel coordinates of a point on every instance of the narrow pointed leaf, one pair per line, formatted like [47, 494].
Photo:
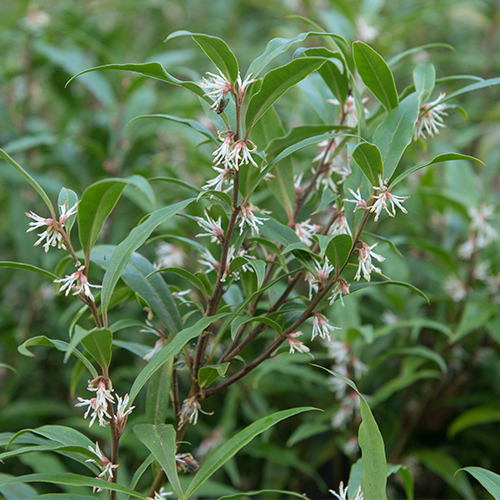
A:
[216, 49]
[475, 86]
[369, 159]
[395, 133]
[209, 374]
[476, 416]
[360, 286]
[233, 445]
[258, 494]
[28, 267]
[30, 179]
[276, 83]
[438, 159]
[98, 344]
[424, 77]
[123, 252]
[259, 267]
[160, 440]
[375, 74]
[489, 480]
[415, 50]
[158, 394]
[152, 70]
[338, 251]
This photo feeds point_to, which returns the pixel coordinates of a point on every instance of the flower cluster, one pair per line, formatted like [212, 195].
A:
[319, 278]
[189, 412]
[305, 231]
[321, 327]
[365, 255]
[296, 345]
[212, 227]
[233, 153]
[481, 232]
[350, 111]
[342, 494]
[78, 282]
[103, 463]
[99, 404]
[430, 118]
[247, 217]
[385, 196]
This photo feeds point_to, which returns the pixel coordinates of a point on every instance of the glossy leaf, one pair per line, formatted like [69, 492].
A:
[158, 394]
[276, 83]
[152, 70]
[474, 86]
[185, 274]
[30, 179]
[414, 289]
[369, 159]
[279, 232]
[160, 441]
[376, 74]
[29, 267]
[338, 251]
[415, 50]
[216, 49]
[59, 345]
[424, 77]
[374, 477]
[69, 198]
[123, 252]
[98, 344]
[489, 480]
[407, 477]
[153, 290]
[438, 159]
[208, 374]
[195, 125]
[233, 445]
[476, 416]
[259, 266]
[395, 133]
[279, 45]
[70, 479]
[179, 182]
[170, 350]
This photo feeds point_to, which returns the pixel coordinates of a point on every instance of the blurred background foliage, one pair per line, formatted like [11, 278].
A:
[74, 136]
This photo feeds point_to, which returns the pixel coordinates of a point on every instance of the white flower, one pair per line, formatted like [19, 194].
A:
[104, 463]
[297, 181]
[305, 231]
[156, 349]
[325, 178]
[218, 86]
[365, 255]
[340, 226]
[217, 184]
[180, 295]
[350, 111]
[169, 255]
[359, 368]
[189, 412]
[99, 404]
[430, 118]
[339, 352]
[207, 259]
[341, 289]
[319, 278]
[161, 495]
[213, 228]
[337, 385]
[346, 412]
[78, 282]
[385, 196]
[224, 154]
[246, 217]
[455, 288]
[241, 148]
[321, 327]
[366, 32]
[342, 495]
[296, 345]
[53, 233]
[242, 86]
[482, 232]
[123, 410]
[360, 203]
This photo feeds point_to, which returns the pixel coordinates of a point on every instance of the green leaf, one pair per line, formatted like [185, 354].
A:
[489, 480]
[233, 445]
[185, 274]
[153, 290]
[63, 496]
[195, 125]
[423, 351]
[374, 477]
[123, 252]
[338, 251]
[209, 374]
[407, 477]
[279, 232]
[235, 325]
[360, 286]
[259, 494]
[474, 86]
[68, 198]
[259, 267]
[216, 49]
[369, 159]
[97, 202]
[59, 345]
[395, 133]
[475, 314]
[160, 441]
[180, 182]
[158, 393]
[424, 77]
[17, 492]
[421, 48]
[445, 466]
[76, 338]
[152, 70]
[170, 350]
[98, 344]
[32, 181]
[276, 83]
[327, 198]
[438, 159]
[279, 45]
[29, 267]
[70, 479]
[475, 416]
[376, 75]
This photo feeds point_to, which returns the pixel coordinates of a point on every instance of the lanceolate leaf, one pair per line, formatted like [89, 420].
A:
[360, 286]
[375, 74]
[338, 251]
[424, 77]
[369, 159]
[98, 344]
[123, 252]
[233, 445]
[30, 179]
[152, 288]
[475, 416]
[160, 440]
[276, 83]
[28, 267]
[279, 45]
[216, 49]
[414, 50]
[488, 479]
[475, 86]
[438, 159]
[152, 70]
[395, 133]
